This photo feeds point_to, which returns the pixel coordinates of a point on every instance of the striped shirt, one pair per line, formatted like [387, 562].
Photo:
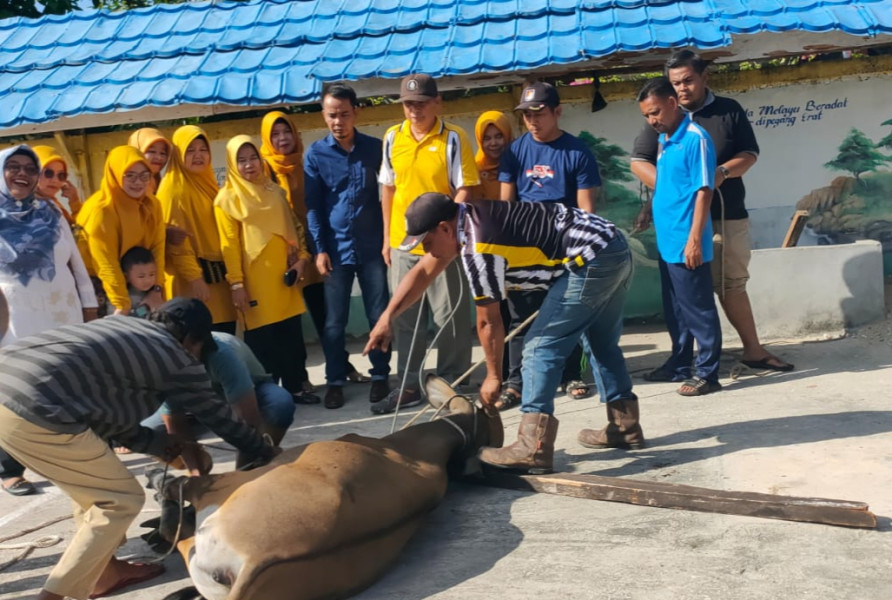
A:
[525, 245]
[107, 376]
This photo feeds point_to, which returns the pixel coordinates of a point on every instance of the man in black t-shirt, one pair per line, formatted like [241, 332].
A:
[736, 151]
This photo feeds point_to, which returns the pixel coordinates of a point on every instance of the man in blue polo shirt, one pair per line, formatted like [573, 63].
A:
[346, 228]
[685, 180]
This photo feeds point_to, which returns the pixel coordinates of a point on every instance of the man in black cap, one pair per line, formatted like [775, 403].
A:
[424, 154]
[546, 164]
[65, 392]
[585, 264]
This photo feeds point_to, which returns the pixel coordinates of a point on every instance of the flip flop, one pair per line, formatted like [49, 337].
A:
[357, 377]
[128, 581]
[700, 386]
[764, 364]
[22, 487]
[571, 387]
[508, 399]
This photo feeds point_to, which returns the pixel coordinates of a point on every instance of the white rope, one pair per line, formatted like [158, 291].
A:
[28, 547]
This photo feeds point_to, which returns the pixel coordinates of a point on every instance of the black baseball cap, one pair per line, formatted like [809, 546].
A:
[193, 317]
[426, 212]
[418, 88]
[537, 96]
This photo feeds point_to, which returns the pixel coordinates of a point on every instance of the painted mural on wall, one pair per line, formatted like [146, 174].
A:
[857, 205]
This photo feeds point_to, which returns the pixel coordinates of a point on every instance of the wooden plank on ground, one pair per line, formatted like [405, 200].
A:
[685, 497]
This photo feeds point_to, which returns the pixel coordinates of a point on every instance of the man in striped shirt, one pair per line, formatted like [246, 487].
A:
[65, 392]
[583, 262]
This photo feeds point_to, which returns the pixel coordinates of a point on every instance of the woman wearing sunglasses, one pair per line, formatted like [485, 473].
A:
[54, 182]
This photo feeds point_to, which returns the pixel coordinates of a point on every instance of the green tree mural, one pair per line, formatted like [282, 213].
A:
[886, 142]
[608, 156]
[857, 154]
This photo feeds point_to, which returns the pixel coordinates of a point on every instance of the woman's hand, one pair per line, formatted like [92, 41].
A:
[200, 290]
[240, 299]
[300, 266]
[69, 192]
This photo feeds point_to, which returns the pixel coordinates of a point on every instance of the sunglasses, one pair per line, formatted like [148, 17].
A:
[60, 175]
[132, 177]
[29, 170]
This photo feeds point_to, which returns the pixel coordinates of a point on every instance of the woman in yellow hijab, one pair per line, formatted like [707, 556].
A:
[155, 147]
[121, 215]
[195, 268]
[283, 150]
[53, 180]
[265, 251]
[494, 135]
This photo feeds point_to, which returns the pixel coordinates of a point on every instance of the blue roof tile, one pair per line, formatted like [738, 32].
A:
[259, 52]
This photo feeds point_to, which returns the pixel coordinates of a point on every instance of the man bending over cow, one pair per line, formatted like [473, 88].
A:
[65, 392]
[584, 263]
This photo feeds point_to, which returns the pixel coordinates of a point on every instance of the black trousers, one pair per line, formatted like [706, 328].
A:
[280, 349]
[522, 304]
[314, 298]
[9, 467]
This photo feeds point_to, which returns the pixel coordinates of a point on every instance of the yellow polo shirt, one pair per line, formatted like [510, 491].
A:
[442, 161]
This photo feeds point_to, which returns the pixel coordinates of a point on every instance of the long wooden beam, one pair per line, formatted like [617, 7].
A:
[685, 497]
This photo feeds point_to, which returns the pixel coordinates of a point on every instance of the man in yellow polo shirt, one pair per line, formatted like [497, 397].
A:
[425, 154]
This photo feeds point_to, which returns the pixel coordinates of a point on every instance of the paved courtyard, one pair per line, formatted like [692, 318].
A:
[824, 430]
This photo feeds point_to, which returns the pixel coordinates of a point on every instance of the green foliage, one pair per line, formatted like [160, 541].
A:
[886, 142]
[608, 156]
[857, 154]
[38, 8]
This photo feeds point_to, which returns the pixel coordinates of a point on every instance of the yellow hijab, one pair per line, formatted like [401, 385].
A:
[490, 117]
[141, 139]
[188, 198]
[288, 168]
[47, 155]
[261, 208]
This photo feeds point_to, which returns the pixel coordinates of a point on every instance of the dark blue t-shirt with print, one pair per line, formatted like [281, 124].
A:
[549, 172]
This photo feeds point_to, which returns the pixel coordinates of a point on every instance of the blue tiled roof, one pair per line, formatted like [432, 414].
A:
[264, 52]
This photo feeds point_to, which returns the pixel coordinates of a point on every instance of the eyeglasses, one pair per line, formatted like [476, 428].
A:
[29, 170]
[134, 177]
[60, 175]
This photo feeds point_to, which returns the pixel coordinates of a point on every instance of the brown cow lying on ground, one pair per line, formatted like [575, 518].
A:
[325, 520]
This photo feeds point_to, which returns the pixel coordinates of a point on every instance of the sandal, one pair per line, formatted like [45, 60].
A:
[357, 377]
[509, 398]
[306, 398]
[768, 363]
[572, 387]
[22, 487]
[700, 387]
[308, 387]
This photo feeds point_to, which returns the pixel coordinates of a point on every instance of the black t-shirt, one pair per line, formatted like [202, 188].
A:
[726, 123]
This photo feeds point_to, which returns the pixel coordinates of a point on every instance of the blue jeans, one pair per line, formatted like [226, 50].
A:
[587, 303]
[690, 313]
[275, 404]
[372, 277]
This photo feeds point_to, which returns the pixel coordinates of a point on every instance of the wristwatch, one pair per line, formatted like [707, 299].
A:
[724, 171]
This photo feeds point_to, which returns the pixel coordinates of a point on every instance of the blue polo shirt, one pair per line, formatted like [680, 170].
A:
[685, 164]
[549, 172]
[343, 205]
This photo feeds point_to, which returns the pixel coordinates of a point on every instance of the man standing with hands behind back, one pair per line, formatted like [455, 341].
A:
[736, 151]
[682, 196]
[425, 154]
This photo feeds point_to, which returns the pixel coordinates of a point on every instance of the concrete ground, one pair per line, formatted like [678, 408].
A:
[824, 430]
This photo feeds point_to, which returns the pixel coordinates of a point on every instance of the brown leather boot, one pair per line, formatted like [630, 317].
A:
[622, 430]
[533, 452]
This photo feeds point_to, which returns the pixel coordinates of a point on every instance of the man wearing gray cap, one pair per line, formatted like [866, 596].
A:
[586, 265]
[64, 393]
[424, 154]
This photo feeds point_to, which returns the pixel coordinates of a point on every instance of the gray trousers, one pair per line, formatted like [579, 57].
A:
[454, 344]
